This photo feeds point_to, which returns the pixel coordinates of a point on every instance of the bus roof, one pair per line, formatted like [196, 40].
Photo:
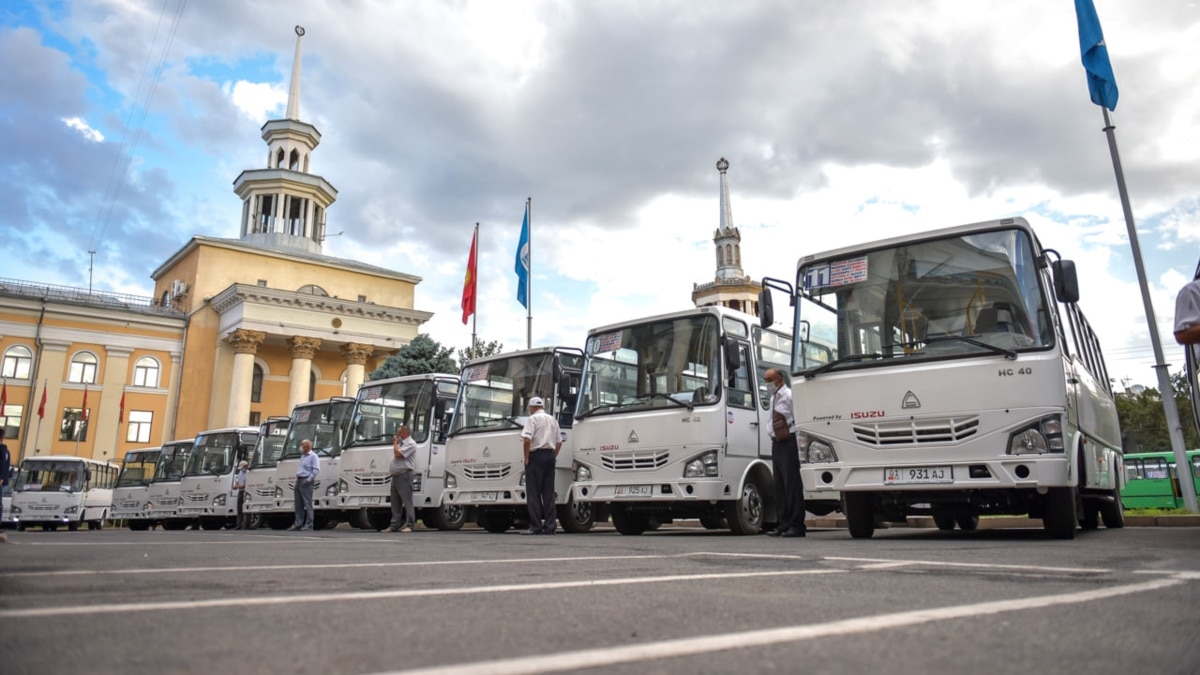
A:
[716, 310]
[955, 231]
[433, 377]
[523, 352]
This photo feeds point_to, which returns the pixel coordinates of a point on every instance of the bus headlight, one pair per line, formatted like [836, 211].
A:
[333, 489]
[521, 480]
[278, 492]
[451, 481]
[343, 486]
[16, 510]
[1042, 437]
[704, 466]
[71, 509]
[815, 450]
[582, 473]
[219, 500]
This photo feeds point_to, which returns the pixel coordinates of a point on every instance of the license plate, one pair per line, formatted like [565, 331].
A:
[910, 475]
[634, 491]
[370, 500]
[486, 496]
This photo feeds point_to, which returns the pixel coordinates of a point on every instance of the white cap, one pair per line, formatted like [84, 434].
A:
[536, 402]
[243, 464]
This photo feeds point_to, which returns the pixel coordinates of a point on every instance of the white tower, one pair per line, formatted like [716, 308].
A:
[731, 287]
[284, 205]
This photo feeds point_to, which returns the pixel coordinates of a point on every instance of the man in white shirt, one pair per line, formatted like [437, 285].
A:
[306, 475]
[542, 441]
[785, 460]
[404, 452]
[239, 486]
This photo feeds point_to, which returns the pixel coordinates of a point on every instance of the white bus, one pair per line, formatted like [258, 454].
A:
[327, 424]
[63, 490]
[485, 453]
[261, 504]
[130, 496]
[207, 484]
[964, 381]
[424, 403]
[673, 421]
[163, 498]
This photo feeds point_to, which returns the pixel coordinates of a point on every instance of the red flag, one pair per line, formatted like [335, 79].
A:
[121, 412]
[85, 412]
[468, 296]
[42, 407]
[3, 398]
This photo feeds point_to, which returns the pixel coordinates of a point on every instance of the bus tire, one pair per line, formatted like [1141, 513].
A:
[96, 524]
[967, 522]
[72, 526]
[1058, 513]
[139, 525]
[210, 523]
[576, 517]
[859, 508]
[748, 514]
[713, 521]
[943, 520]
[448, 516]
[496, 522]
[20, 527]
[379, 519]
[1091, 517]
[1113, 512]
[629, 522]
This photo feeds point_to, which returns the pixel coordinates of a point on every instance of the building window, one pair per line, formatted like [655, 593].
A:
[74, 427]
[83, 369]
[313, 289]
[312, 386]
[256, 382]
[139, 426]
[255, 418]
[145, 372]
[12, 422]
[17, 361]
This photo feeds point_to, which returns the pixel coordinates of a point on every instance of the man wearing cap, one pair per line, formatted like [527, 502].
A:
[239, 486]
[542, 442]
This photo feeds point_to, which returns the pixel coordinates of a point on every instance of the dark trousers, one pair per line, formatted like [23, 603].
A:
[304, 505]
[241, 517]
[402, 496]
[539, 490]
[789, 491]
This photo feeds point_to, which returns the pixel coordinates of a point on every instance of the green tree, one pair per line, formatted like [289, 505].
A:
[422, 355]
[480, 349]
[1144, 423]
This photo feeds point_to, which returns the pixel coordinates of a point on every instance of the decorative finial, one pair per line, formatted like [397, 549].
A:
[722, 165]
[300, 31]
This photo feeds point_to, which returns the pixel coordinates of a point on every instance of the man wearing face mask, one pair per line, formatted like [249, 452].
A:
[785, 456]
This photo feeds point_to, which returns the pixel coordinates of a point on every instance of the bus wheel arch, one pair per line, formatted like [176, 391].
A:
[748, 513]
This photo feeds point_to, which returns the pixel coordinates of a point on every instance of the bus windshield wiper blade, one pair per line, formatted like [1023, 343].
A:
[661, 395]
[853, 358]
[366, 440]
[513, 421]
[1007, 353]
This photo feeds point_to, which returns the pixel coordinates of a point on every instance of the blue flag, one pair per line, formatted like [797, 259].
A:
[1102, 84]
[523, 262]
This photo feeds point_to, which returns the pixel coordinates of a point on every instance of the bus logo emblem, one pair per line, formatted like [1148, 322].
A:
[633, 437]
[486, 451]
[910, 401]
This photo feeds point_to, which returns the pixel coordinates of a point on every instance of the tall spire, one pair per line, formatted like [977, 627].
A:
[293, 104]
[727, 238]
[726, 209]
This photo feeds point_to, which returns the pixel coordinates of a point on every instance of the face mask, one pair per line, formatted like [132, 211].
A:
[771, 388]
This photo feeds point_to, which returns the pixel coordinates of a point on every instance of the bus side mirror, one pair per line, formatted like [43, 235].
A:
[1066, 283]
[733, 356]
[564, 387]
[766, 311]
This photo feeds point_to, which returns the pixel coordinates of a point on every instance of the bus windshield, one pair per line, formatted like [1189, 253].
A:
[495, 394]
[138, 468]
[270, 443]
[660, 364]
[173, 461]
[214, 454]
[942, 298]
[325, 425]
[384, 407]
[51, 475]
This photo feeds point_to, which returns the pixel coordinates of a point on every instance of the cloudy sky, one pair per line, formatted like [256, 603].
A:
[123, 124]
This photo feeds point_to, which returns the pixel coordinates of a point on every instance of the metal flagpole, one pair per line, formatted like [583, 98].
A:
[1167, 392]
[475, 291]
[529, 281]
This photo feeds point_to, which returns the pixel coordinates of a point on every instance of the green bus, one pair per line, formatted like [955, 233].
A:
[1151, 481]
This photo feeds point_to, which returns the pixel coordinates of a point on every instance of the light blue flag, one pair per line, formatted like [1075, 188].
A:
[1102, 84]
[523, 263]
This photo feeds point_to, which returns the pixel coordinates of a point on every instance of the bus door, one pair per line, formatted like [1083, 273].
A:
[443, 408]
[744, 429]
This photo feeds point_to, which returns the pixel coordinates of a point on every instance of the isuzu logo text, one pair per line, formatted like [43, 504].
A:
[867, 414]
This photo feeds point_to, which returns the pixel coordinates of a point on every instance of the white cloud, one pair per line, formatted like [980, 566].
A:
[257, 100]
[84, 129]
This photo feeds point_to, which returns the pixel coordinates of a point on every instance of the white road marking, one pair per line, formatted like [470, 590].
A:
[609, 656]
[883, 563]
[243, 602]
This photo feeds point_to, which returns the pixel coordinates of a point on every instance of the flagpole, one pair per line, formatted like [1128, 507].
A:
[529, 281]
[475, 297]
[1167, 392]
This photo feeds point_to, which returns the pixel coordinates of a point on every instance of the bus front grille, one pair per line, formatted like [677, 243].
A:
[487, 471]
[917, 432]
[632, 461]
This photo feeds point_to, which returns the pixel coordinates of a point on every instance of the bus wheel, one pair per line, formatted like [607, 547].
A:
[714, 521]
[496, 522]
[212, 523]
[859, 508]
[628, 521]
[576, 517]
[448, 516]
[20, 527]
[280, 522]
[746, 515]
[73, 527]
[49, 528]
[96, 524]
[379, 519]
[1091, 517]
[943, 520]
[1058, 514]
[967, 522]
[139, 525]
[1113, 512]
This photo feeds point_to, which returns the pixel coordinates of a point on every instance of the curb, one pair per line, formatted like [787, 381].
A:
[992, 523]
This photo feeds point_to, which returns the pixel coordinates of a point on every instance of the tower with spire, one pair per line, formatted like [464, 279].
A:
[730, 287]
[284, 205]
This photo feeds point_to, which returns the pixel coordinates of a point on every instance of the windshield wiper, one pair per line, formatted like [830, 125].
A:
[853, 358]
[667, 397]
[1007, 353]
[592, 411]
[513, 421]
[364, 441]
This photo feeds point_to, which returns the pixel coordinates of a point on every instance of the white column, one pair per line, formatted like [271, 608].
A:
[303, 350]
[245, 346]
[356, 356]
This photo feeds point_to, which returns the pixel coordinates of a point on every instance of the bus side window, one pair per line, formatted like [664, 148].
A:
[740, 393]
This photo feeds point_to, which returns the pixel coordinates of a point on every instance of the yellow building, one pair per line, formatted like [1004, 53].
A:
[730, 287]
[238, 329]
